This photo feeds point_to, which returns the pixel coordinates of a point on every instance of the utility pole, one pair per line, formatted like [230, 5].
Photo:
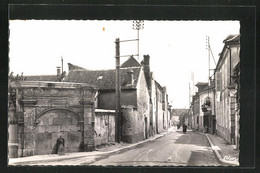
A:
[118, 121]
[118, 126]
[61, 65]
[138, 25]
[208, 48]
[189, 95]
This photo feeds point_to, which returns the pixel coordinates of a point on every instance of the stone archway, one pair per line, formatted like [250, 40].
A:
[60, 109]
[45, 111]
[53, 123]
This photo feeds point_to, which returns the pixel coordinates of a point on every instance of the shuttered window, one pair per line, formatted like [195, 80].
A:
[218, 81]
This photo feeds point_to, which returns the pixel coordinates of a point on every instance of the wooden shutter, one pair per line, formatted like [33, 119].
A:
[218, 81]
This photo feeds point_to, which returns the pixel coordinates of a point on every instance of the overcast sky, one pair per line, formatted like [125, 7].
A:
[176, 48]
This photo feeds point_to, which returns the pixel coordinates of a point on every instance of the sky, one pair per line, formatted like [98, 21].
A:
[176, 48]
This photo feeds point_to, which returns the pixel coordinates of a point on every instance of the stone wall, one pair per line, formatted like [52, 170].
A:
[143, 106]
[132, 125]
[159, 110]
[104, 126]
[48, 110]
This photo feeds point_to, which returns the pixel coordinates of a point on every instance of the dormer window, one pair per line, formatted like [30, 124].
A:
[100, 77]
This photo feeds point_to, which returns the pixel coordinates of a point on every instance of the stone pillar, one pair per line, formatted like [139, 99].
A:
[88, 124]
[12, 133]
[26, 120]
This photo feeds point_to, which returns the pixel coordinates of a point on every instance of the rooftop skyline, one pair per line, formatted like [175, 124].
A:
[176, 48]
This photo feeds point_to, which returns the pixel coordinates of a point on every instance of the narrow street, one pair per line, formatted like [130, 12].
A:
[174, 149]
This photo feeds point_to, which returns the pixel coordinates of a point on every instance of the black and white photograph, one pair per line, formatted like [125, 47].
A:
[124, 93]
[129, 91]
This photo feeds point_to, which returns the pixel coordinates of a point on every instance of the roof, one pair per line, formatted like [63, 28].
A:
[207, 88]
[201, 83]
[103, 79]
[131, 62]
[232, 38]
[74, 67]
[158, 85]
[41, 78]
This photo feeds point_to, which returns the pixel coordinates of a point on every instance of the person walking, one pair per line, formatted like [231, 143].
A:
[184, 128]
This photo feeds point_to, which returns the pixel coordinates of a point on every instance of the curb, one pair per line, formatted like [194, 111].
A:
[234, 163]
[100, 155]
[125, 148]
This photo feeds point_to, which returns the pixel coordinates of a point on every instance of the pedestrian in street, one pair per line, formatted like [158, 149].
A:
[60, 146]
[184, 128]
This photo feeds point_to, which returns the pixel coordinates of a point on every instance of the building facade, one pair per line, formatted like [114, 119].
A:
[195, 111]
[159, 105]
[41, 112]
[227, 115]
[207, 121]
[134, 96]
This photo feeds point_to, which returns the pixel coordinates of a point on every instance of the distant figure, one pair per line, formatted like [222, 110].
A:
[60, 146]
[184, 128]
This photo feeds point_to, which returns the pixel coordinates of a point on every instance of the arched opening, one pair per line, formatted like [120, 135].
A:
[53, 123]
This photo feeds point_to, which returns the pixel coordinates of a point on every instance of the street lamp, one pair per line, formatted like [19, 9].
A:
[138, 25]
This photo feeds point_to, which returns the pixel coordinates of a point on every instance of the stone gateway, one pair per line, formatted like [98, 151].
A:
[42, 112]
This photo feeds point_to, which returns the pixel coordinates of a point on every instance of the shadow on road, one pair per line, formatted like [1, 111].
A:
[202, 158]
[148, 163]
[196, 139]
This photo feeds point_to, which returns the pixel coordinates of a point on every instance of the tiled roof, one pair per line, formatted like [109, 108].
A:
[131, 62]
[158, 85]
[232, 38]
[103, 79]
[74, 67]
[201, 83]
[206, 88]
[52, 78]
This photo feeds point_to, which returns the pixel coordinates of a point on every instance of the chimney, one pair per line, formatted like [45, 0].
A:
[130, 74]
[146, 66]
[58, 71]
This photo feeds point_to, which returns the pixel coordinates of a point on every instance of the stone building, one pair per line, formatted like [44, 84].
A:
[227, 105]
[195, 111]
[144, 102]
[42, 111]
[134, 96]
[160, 108]
[159, 105]
[206, 118]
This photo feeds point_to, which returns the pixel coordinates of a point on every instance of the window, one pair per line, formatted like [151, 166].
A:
[218, 81]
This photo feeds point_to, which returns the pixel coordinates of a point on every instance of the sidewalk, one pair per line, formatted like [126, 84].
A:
[89, 157]
[225, 152]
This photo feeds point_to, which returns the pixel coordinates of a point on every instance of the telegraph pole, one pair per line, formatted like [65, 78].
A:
[138, 25]
[61, 65]
[118, 126]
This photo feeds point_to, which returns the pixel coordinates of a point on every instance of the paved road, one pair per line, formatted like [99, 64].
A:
[174, 149]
